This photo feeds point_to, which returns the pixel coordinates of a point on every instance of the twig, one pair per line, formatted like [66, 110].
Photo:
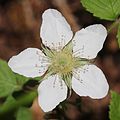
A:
[113, 25]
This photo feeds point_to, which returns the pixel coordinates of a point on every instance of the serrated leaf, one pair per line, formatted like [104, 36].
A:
[118, 35]
[104, 9]
[9, 81]
[114, 113]
[24, 114]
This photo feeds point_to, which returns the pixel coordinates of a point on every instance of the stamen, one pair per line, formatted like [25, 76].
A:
[39, 71]
[54, 81]
[57, 46]
[41, 66]
[79, 52]
[52, 46]
[83, 70]
[79, 49]
[77, 77]
[76, 73]
[63, 40]
[60, 45]
[61, 83]
[45, 43]
[74, 42]
[43, 59]
[42, 56]
[88, 57]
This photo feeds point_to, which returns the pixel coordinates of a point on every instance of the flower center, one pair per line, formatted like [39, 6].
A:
[62, 62]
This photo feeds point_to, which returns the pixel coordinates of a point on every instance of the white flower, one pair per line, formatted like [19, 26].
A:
[66, 61]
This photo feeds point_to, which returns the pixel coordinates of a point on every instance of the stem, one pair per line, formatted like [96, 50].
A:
[23, 100]
[114, 24]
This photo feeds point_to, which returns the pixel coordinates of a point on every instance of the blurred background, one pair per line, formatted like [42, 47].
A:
[20, 22]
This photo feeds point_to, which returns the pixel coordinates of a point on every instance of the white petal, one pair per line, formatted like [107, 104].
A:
[29, 63]
[55, 31]
[51, 92]
[91, 82]
[89, 41]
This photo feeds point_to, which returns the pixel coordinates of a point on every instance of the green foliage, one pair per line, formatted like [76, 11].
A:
[12, 104]
[118, 35]
[104, 9]
[9, 81]
[24, 114]
[114, 113]
[10, 100]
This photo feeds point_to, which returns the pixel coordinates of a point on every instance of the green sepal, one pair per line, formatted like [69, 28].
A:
[47, 74]
[47, 51]
[79, 62]
[68, 80]
[69, 47]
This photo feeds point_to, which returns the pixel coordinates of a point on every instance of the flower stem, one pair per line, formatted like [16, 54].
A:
[113, 25]
[23, 100]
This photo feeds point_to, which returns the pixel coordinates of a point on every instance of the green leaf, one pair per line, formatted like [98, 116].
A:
[10, 100]
[118, 35]
[9, 116]
[24, 114]
[9, 81]
[12, 104]
[104, 9]
[114, 113]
